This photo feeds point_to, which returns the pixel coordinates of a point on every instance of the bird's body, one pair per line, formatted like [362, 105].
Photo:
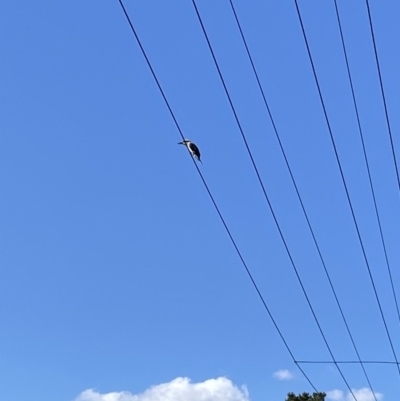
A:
[193, 149]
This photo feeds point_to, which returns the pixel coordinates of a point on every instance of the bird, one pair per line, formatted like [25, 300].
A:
[192, 147]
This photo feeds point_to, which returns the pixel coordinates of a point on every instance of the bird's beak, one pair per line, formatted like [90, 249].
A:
[180, 143]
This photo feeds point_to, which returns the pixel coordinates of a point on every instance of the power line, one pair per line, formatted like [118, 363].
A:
[297, 190]
[344, 180]
[265, 192]
[212, 198]
[294, 183]
[366, 158]
[383, 93]
[350, 362]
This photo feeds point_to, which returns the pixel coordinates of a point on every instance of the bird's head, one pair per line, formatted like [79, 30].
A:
[184, 142]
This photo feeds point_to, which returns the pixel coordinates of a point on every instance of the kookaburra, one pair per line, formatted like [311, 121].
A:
[193, 149]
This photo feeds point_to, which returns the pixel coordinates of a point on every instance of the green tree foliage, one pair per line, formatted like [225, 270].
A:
[306, 397]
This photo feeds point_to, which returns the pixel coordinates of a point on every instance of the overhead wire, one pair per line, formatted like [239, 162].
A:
[344, 182]
[266, 195]
[213, 200]
[366, 159]
[351, 362]
[383, 93]
[277, 135]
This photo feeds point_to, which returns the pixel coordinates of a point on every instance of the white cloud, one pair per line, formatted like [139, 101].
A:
[361, 394]
[336, 395]
[180, 389]
[283, 374]
[364, 394]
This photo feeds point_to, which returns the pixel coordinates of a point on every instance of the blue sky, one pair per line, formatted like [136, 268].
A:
[116, 272]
